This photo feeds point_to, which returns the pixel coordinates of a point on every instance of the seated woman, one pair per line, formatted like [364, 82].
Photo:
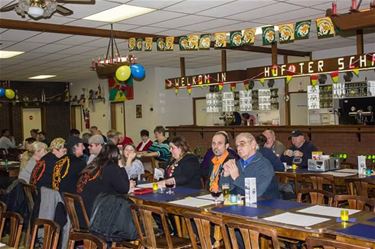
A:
[27, 154]
[134, 167]
[103, 175]
[38, 150]
[184, 169]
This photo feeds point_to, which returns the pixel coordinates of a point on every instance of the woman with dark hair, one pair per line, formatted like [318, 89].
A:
[103, 175]
[183, 171]
[134, 167]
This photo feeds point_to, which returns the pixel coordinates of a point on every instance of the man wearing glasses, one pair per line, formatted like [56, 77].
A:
[250, 164]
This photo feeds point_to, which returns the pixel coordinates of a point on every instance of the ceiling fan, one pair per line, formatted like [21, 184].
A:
[37, 9]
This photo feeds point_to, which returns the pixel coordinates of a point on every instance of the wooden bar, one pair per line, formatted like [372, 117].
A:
[182, 66]
[223, 60]
[359, 35]
[350, 139]
[274, 53]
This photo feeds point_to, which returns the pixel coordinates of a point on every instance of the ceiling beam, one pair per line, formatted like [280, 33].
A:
[66, 29]
[77, 30]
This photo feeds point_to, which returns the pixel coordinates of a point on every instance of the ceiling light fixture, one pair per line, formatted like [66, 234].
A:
[36, 8]
[42, 77]
[119, 13]
[9, 54]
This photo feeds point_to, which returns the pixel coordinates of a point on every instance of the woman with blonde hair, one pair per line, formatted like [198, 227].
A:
[43, 171]
[37, 151]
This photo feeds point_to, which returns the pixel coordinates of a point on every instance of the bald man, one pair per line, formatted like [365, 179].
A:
[275, 145]
[250, 164]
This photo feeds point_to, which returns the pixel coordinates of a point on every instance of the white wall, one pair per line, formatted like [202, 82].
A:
[172, 109]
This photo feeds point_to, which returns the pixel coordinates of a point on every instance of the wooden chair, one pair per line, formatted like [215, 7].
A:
[253, 235]
[15, 228]
[3, 209]
[312, 243]
[51, 233]
[30, 193]
[143, 220]
[355, 202]
[71, 202]
[204, 223]
[359, 187]
[90, 241]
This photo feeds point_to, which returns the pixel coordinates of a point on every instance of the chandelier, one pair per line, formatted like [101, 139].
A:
[36, 8]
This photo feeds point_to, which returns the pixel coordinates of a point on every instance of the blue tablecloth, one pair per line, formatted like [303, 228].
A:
[372, 219]
[179, 193]
[242, 210]
[280, 204]
[360, 230]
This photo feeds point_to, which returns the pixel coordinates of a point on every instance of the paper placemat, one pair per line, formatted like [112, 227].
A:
[326, 211]
[338, 174]
[209, 197]
[296, 219]
[192, 202]
[355, 171]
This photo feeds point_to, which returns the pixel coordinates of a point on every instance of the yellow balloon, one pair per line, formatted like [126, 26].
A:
[9, 93]
[123, 73]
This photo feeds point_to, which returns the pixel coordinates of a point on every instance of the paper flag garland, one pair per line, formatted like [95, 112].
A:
[221, 86]
[248, 37]
[314, 79]
[286, 33]
[302, 30]
[268, 35]
[325, 27]
[169, 43]
[335, 76]
[148, 43]
[189, 89]
[232, 87]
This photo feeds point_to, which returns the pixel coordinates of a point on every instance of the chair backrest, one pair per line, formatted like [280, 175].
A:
[313, 242]
[252, 234]
[318, 181]
[30, 193]
[90, 241]
[51, 233]
[3, 209]
[203, 222]
[359, 187]
[143, 220]
[71, 202]
[15, 228]
[317, 197]
[355, 202]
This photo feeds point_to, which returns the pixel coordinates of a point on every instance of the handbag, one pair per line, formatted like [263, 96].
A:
[111, 218]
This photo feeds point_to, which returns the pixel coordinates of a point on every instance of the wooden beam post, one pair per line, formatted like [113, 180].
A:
[359, 34]
[182, 66]
[223, 60]
[274, 53]
[286, 96]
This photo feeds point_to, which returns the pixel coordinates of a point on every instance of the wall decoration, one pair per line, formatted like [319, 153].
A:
[325, 27]
[286, 33]
[138, 111]
[220, 40]
[205, 42]
[120, 91]
[148, 43]
[248, 37]
[302, 30]
[268, 35]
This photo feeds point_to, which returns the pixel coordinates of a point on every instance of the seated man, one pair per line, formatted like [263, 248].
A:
[250, 164]
[275, 145]
[221, 154]
[300, 151]
[269, 154]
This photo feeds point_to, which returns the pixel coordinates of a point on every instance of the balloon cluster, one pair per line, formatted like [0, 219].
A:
[137, 71]
[9, 93]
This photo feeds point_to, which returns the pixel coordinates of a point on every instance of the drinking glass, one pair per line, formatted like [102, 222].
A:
[225, 189]
[169, 185]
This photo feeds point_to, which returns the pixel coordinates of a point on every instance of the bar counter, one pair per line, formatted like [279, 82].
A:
[351, 139]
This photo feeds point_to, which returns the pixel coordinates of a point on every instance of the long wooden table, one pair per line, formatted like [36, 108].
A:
[265, 209]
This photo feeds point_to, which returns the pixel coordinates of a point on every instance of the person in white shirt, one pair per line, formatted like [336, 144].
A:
[134, 167]
[7, 141]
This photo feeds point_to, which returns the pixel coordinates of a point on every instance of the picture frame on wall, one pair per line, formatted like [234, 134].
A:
[138, 111]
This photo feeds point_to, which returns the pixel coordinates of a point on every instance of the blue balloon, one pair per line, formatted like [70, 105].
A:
[2, 92]
[138, 71]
